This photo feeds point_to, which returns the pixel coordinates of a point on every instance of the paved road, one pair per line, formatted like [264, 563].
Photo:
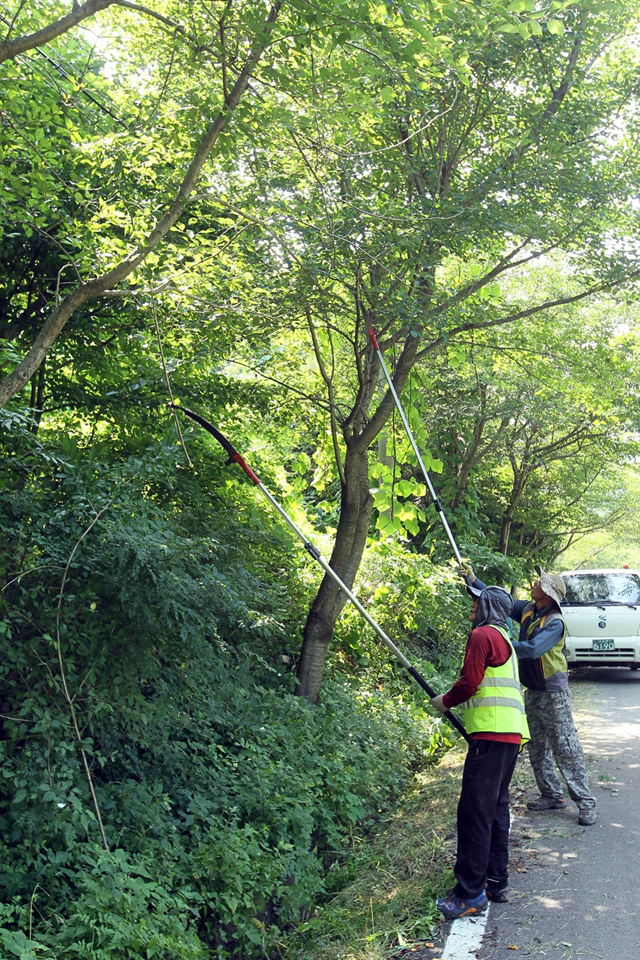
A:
[576, 890]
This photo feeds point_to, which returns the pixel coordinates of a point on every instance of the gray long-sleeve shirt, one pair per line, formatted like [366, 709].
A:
[543, 640]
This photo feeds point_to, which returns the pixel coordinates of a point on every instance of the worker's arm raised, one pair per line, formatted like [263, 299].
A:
[542, 642]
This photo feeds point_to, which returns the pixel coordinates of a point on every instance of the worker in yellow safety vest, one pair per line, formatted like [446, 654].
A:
[494, 716]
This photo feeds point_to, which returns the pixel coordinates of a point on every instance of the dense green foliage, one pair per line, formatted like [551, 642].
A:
[226, 800]
[462, 177]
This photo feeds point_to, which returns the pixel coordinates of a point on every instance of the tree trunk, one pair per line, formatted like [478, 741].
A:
[356, 504]
[463, 479]
[351, 538]
[37, 399]
[521, 477]
[505, 530]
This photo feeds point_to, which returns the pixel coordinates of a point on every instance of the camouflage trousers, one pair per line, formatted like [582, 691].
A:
[554, 737]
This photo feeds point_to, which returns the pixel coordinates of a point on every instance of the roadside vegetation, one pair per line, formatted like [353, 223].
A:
[161, 656]
[204, 753]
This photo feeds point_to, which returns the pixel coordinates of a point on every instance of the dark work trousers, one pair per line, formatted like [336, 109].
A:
[483, 817]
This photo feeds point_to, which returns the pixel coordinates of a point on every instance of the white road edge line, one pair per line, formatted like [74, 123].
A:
[467, 932]
[464, 939]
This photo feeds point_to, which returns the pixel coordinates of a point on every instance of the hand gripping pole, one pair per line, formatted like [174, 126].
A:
[234, 457]
[425, 473]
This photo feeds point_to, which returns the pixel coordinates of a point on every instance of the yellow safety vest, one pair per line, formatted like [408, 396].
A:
[497, 705]
[554, 660]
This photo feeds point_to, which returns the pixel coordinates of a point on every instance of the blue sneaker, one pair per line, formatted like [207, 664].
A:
[454, 907]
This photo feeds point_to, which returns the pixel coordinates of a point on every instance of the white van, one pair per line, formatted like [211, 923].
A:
[602, 613]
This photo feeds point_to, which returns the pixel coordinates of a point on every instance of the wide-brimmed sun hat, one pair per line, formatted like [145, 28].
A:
[552, 584]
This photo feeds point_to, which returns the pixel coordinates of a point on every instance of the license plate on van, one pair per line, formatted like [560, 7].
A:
[603, 645]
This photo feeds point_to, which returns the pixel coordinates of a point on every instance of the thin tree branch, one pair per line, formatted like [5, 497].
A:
[530, 312]
[329, 385]
[65, 688]
[11, 48]
[168, 383]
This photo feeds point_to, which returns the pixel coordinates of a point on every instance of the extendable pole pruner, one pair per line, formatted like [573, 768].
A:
[234, 457]
[434, 497]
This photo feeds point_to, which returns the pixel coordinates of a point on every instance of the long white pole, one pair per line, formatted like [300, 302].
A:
[425, 473]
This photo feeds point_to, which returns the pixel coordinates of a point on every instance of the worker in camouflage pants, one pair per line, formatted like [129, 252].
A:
[544, 672]
[554, 736]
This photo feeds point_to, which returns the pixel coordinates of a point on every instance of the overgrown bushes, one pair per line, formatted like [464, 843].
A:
[224, 798]
[224, 801]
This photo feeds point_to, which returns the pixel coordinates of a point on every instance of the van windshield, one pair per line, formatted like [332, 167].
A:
[602, 588]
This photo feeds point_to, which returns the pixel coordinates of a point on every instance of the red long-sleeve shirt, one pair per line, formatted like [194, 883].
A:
[486, 647]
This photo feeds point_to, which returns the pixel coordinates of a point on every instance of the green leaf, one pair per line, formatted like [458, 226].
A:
[387, 94]
[555, 27]
[19, 944]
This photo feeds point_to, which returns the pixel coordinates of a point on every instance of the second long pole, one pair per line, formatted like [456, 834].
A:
[425, 472]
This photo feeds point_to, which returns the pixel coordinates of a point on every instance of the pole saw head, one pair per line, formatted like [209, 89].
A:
[227, 446]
